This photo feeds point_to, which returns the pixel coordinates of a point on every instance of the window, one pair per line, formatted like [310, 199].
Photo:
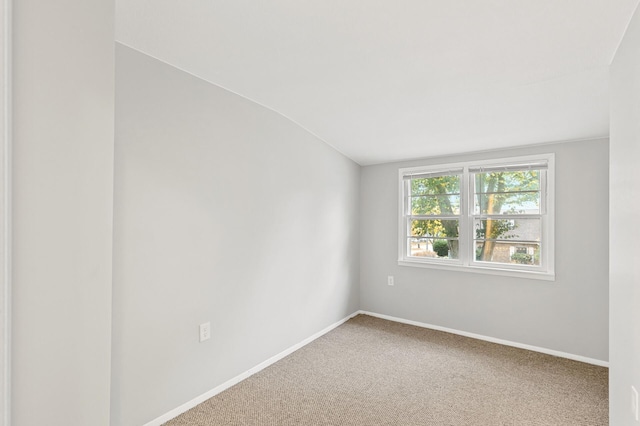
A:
[490, 216]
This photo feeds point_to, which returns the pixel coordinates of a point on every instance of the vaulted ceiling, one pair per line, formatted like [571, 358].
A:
[390, 80]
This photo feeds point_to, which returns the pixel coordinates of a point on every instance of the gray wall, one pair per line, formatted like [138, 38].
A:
[225, 212]
[625, 233]
[568, 315]
[62, 211]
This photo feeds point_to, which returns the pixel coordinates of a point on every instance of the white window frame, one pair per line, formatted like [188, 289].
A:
[466, 260]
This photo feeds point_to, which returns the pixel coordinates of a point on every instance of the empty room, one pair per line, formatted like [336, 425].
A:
[320, 213]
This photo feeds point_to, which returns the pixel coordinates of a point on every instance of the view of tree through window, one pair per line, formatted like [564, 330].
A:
[435, 206]
[478, 214]
[512, 194]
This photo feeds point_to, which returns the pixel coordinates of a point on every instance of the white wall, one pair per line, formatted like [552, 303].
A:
[625, 233]
[5, 214]
[569, 315]
[224, 212]
[62, 211]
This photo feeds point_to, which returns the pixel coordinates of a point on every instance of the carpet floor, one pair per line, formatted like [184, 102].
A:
[372, 372]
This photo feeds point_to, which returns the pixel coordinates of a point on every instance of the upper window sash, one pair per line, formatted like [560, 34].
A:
[517, 191]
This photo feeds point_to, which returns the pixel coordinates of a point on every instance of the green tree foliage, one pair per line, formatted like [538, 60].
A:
[522, 258]
[498, 192]
[502, 193]
[436, 196]
[441, 247]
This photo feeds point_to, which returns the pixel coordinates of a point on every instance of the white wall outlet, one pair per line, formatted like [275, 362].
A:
[390, 280]
[634, 403]
[205, 331]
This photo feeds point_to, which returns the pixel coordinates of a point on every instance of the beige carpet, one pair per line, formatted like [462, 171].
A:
[376, 372]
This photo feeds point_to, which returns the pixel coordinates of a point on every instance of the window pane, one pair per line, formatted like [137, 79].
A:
[525, 180]
[440, 185]
[508, 252]
[508, 241]
[505, 229]
[513, 192]
[434, 228]
[508, 203]
[433, 247]
[435, 205]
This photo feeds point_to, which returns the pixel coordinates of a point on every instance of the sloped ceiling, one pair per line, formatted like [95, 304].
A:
[389, 80]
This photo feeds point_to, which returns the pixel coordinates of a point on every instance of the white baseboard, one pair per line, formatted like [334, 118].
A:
[492, 339]
[226, 385]
[235, 380]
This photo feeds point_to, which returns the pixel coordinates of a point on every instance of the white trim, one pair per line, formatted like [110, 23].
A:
[5, 211]
[237, 379]
[492, 339]
[534, 275]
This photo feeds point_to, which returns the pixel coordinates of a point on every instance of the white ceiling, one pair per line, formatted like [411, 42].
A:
[390, 80]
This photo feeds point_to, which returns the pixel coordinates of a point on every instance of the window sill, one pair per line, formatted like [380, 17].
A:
[534, 275]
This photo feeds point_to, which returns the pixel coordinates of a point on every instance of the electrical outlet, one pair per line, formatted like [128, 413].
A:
[390, 280]
[634, 403]
[205, 331]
